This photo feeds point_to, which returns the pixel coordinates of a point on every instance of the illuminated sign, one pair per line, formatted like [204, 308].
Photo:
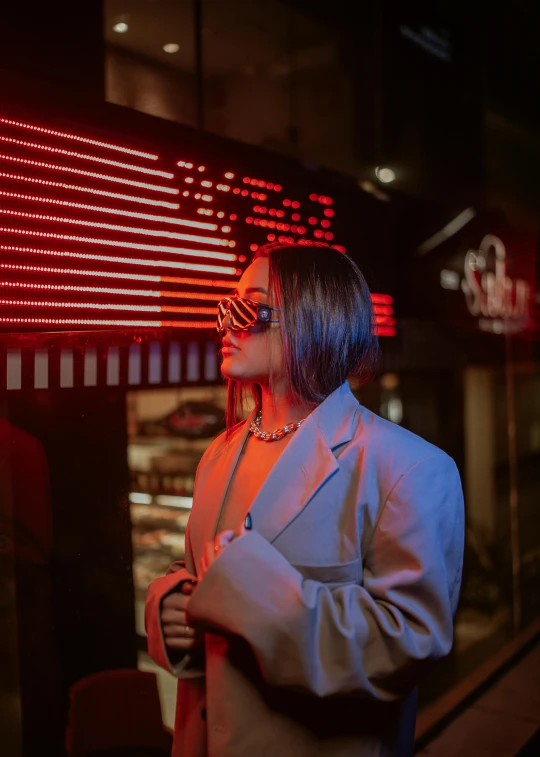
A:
[501, 303]
[95, 234]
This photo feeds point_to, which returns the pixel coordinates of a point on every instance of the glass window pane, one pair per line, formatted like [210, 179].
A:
[150, 57]
[276, 78]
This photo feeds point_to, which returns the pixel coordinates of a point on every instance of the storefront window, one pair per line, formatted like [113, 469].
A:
[266, 75]
[150, 57]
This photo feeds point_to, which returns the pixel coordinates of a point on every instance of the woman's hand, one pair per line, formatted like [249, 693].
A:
[178, 635]
[214, 548]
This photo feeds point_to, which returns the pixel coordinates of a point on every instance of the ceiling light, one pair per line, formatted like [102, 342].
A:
[121, 27]
[171, 47]
[385, 175]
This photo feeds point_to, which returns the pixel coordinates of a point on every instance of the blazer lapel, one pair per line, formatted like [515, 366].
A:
[213, 480]
[306, 464]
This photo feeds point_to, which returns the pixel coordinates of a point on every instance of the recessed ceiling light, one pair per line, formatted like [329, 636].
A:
[385, 175]
[171, 47]
[121, 27]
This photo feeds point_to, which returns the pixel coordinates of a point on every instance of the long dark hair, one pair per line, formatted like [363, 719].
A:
[327, 328]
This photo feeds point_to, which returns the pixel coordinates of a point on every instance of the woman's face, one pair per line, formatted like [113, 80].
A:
[257, 350]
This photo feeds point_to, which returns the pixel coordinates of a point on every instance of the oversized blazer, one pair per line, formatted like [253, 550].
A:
[322, 619]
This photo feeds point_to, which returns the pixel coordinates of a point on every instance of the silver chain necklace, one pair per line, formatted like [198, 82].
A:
[279, 433]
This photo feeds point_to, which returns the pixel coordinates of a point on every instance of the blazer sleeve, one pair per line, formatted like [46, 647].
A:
[181, 666]
[374, 639]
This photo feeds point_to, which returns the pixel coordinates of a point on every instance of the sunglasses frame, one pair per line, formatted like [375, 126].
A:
[260, 320]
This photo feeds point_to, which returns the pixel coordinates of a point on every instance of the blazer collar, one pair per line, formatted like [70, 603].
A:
[300, 471]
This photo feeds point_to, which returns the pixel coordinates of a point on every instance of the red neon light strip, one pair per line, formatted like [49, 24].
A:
[114, 211]
[385, 331]
[382, 299]
[113, 227]
[83, 156]
[84, 140]
[101, 192]
[114, 275]
[384, 320]
[383, 309]
[109, 306]
[100, 290]
[223, 270]
[90, 322]
[90, 174]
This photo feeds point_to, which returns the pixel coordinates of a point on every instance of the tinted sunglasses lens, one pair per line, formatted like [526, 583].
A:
[243, 314]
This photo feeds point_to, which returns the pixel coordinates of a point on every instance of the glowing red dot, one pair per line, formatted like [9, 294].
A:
[253, 182]
[280, 213]
[249, 219]
[244, 193]
[277, 187]
[296, 204]
[301, 229]
[272, 211]
[290, 240]
[269, 185]
[238, 272]
[271, 237]
[294, 228]
[261, 184]
[329, 213]
[263, 210]
[256, 208]
[329, 236]
[295, 216]
[253, 247]
[264, 223]
[286, 203]
[272, 224]
[262, 196]
[325, 224]
[257, 221]
[286, 227]
[233, 216]
[241, 258]
[314, 197]
[318, 233]
[255, 195]
[236, 191]
[246, 179]
[279, 226]
[312, 220]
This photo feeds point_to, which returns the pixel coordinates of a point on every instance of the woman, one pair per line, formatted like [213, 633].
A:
[323, 565]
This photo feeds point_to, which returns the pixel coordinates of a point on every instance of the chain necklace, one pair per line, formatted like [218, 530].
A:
[278, 433]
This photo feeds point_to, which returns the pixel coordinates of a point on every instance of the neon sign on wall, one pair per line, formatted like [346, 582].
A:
[95, 234]
[500, 302]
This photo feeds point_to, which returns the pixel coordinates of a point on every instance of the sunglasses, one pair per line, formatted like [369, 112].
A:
[243, 313]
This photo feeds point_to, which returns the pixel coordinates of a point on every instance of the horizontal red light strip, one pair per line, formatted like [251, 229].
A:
[91, 322]
[386, 331]
[114, 227]
[31, 269]
[99, 290]
[114, 211]
[223, 270]
[90, 174]
[109, 306]
[77, 138]
[83, 156]
[100, 192]
[383, 309]
[384, 320]
[381, 299]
